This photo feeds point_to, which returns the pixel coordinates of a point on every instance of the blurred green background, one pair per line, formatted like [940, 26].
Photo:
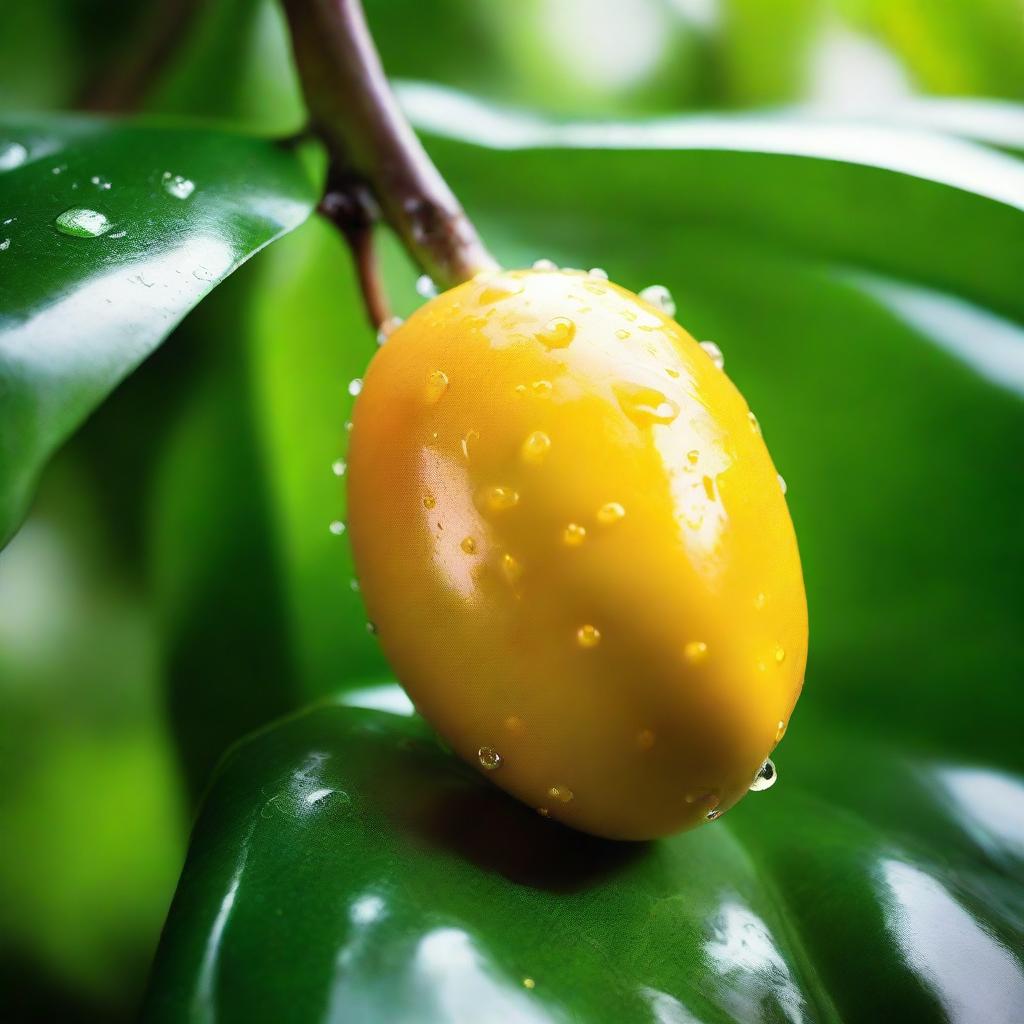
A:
[175, 584]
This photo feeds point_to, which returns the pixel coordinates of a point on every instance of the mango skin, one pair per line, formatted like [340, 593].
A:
[631, 671]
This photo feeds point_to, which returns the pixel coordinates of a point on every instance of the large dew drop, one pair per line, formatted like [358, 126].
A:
[82, 223]
[12, 154]
[765, 778]
[177, 186]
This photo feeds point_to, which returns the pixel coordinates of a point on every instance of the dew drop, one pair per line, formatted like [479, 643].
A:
[541, 388]
[561, 793]
[528, 983]
[355, 387]
[177, 186]
[82, 223]
[437, 385]
[588, 636]
[500, 499]
[766, 777]
[498, 288]
[348, 426]
[660, 297]
[353, 585]
[557, 332]
[425, 286]
[714, 354]
[5, 244]
[782, 483]
[543, 812]
[103, 186]
[338, 467]
[754, 424]
[645, 406]
[760, 601]
[599, 272]
[695, 652]
[429, 501]
[12, 154]
[715, 812]
[337, 527]
[520, 389]
[535, 448]
[780, 730]
[610, 513]
[511, 569]
[387, 328]
[574, 535]
[371, 628]
[514, 724]
[780, 654]
[468, 545]
[544, 265]
[489, 758]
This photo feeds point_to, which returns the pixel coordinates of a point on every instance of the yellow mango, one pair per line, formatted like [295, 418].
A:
[576, 551]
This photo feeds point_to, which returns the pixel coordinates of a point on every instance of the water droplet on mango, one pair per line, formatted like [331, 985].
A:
[535, 448]
[437, 385]
[645, 406]
[489, 758]
[557, 332]
[695, 652]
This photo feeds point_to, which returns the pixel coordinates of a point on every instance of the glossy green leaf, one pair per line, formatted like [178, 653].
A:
[861, 282]
[345, 868]
[109, 235]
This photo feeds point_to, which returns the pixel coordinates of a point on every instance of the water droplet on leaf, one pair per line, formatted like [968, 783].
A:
[177, 186]
[12, 154]
[82, 223]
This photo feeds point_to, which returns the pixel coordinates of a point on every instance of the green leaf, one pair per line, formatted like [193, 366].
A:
[868, 303]
[345, 868]
[110, 234]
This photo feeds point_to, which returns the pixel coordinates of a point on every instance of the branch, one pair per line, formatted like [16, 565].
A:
[371, 145]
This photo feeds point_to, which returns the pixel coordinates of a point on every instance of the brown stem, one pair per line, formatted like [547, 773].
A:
[368, 138]
[350, 205]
